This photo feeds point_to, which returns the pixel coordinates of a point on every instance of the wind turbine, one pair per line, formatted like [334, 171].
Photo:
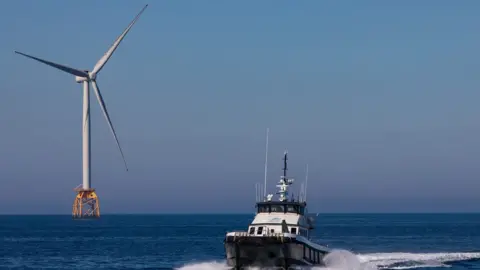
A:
[86, 203]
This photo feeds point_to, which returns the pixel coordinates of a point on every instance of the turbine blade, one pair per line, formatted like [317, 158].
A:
[112, 49]
[70, 70]
[105, 112]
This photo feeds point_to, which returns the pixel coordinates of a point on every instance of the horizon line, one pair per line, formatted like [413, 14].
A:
[246, 213]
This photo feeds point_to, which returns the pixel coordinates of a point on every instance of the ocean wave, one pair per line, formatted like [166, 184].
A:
[405, 260]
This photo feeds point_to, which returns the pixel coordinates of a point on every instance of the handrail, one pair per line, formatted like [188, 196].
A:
[265, 233]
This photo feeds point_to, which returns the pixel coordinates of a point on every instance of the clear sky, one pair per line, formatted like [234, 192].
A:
[380, 98]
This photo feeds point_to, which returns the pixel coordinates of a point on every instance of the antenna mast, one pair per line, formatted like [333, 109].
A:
[284, 181]
[266, 163]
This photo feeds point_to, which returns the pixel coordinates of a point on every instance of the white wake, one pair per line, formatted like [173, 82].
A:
[415, 260]
[344, 260]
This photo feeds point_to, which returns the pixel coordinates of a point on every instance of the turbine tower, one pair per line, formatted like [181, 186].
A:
[86, 203]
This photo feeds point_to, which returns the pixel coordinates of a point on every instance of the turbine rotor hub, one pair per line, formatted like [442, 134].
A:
[92, 76]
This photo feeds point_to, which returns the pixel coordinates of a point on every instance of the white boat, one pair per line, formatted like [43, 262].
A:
[278, 236]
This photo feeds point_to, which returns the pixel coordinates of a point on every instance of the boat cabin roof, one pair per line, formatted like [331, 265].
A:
[294, 207]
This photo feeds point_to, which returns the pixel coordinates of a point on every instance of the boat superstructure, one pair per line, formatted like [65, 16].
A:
[278, 236]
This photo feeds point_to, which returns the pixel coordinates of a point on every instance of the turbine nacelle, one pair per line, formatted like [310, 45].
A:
[81, 79]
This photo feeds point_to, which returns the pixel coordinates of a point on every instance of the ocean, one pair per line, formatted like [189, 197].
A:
[364, 241]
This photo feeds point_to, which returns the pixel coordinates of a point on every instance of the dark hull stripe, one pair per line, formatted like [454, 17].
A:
[244, 252]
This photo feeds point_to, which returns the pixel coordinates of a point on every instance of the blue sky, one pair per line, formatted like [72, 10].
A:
[380, 98]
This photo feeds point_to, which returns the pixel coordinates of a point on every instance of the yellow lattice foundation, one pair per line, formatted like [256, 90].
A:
[86, 204]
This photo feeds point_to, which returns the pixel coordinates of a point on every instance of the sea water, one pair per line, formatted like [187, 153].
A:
[361, 241]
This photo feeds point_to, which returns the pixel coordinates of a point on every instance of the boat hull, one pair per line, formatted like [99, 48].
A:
[268, 251]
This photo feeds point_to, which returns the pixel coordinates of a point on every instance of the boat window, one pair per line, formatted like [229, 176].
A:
[302, 211]
[263, 209]
[278, 208]
[260, 230]
[294, 230]
[252, 230]
[272, 230]
[292, 208]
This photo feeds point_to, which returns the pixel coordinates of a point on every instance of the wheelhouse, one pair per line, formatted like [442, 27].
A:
[281, 207]
[295, 208]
